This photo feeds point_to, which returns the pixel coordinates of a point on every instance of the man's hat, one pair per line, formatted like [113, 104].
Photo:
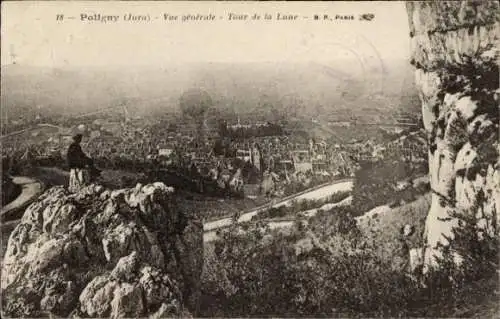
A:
[77, 136]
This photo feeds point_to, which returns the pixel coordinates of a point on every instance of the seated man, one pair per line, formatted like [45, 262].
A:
[80, 165]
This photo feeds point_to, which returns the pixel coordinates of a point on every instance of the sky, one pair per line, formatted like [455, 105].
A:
[30, 34]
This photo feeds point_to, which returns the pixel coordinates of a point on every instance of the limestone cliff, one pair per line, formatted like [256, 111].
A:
[455, 53]
[99, 253]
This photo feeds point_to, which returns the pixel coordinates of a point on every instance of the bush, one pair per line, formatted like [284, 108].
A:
[300, 206]
[329, 270]
[262, 273]
[375, 183]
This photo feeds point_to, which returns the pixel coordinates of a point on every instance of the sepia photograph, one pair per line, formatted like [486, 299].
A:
[228, 159]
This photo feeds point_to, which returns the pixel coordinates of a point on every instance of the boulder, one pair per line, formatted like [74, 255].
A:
[99, 253]
[95, 299]
[127, 302]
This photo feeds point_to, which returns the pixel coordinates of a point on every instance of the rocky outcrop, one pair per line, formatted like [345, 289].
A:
[99, 253]
[455, 52]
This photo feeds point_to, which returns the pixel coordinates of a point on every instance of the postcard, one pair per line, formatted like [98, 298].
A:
[249, 159]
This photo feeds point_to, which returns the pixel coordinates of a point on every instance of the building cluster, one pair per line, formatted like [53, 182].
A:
[226, 161]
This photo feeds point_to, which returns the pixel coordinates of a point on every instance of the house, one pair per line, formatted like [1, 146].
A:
[302, 161]
[165, 152]
[244, 155]
[303, 167]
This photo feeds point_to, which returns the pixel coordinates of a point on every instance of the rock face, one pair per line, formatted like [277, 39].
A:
[100, 253]
[455, 52]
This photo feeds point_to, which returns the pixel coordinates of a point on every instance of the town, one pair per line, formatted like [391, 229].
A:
[244, 162]
[211, 157]
[222, 170]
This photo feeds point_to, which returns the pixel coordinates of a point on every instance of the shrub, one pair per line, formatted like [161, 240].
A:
[329, 270]
[300, 206]
[375, 183]
[262, 273]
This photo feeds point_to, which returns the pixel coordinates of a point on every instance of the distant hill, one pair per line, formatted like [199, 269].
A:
[305, 89]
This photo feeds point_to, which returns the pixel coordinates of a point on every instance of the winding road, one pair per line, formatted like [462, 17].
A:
[32, 188]
[11, 212]
[36, 126]
[323, 191]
